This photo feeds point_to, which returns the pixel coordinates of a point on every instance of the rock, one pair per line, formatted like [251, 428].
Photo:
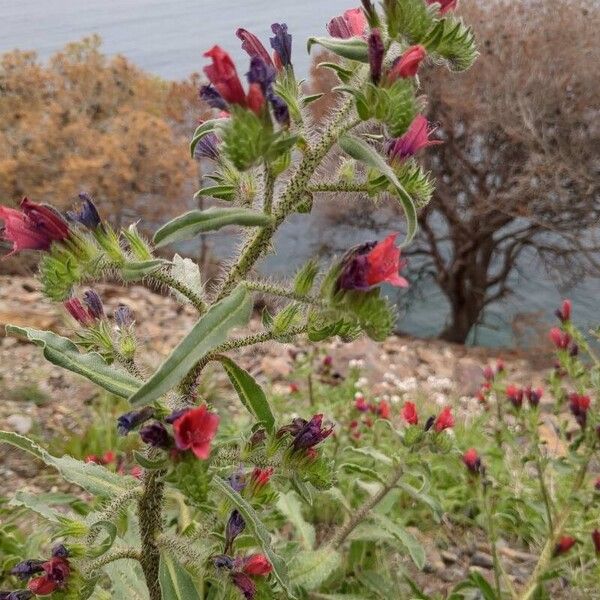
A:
[275, 367]
[20, 423]
[468, 376]
[482, 559]
[449, 557]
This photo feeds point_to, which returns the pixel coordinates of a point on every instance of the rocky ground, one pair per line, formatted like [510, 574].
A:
[36, 396]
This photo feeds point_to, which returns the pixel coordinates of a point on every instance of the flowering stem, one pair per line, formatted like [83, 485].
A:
[267, 288]
[339, 186]
[150, 520]
[164, 278]
[545, 495]
[91, 567]
[361, 514]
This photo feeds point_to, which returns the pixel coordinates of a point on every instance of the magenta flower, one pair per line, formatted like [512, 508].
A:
[376, 53]
[253, 46]
[445, 5]
[81, 314]
[416, 138]
[195, 430]
[371, 264]
[34, 227]
[352, 23]
[407, 65]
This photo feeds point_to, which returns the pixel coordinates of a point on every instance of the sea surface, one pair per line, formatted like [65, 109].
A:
[168, 37]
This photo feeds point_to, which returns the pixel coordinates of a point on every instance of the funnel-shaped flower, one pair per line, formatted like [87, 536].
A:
[282, 45]
[415, 138]
[409, 413]
[87, 214]
[444, 420]
[253, 46]
[352, 23]
[445, 5]
[195, 430]
[311, 434]
[223, 75]
[407, 65]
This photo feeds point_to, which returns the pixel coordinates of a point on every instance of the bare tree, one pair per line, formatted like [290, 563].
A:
[519, 170]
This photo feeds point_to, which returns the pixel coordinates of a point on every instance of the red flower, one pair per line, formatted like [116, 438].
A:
[76, 309]
[415, 138]
[353, 424]
[195, 430]
[579, 405]
[260, 477]
[257, 564]
[472, 460]
[109, 457]
[444, 420]
[294, 388]
[352, 23]
[224, 77]
[384, 410]
[57, 569]
[253, 46]
[445, 5]
[515, 395]
[371, 264]
[42, 586]
[255, 99]
[597, 484]
[34, 227]
[409, 413]
[361, 404]
[408, 64]
[564, 544]
[534, 396]
[136, 472]
[564, 312]
[596, 540]
[561, 339]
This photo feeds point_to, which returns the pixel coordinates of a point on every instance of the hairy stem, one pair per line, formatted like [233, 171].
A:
[361, 514]
[275, 290]
[150, 519]
[269, 182]
[338, 186]
[88, 569]
[164, 278]
[292, 195]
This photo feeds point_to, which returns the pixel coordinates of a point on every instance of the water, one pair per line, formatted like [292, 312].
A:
[169, 37]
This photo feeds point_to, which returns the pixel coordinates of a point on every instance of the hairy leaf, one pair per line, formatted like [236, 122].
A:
[175, 582]
[289, 506]
[64, 353]
[352, 48]
[310, 568]
[204, 129]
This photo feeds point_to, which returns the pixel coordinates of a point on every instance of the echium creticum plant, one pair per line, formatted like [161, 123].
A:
[269, 165]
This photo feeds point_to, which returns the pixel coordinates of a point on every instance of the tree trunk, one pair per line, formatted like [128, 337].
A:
[463, 317]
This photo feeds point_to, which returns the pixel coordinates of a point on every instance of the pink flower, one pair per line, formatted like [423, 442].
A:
[81, 314]
[224, 77]
[408, 64]
[409, 413]
[564, 544]
[515, 395]
[415, 138]
[561, 339]
[195, 430]
[257, 564]
[361, 404]
[371, 264]
[34, 227]
[472, 460]
[260, 477]
[564, 312]
[445, 5]
[253, 46]
[384, 409]
[352, 23]
[42, 586]
[596, 540]
[444, 420]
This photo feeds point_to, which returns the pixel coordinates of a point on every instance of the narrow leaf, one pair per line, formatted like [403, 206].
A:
[259, 531]
[414, 547]
[134, 271]
[289, 506]
[202, 130]
[209, 331]
[90, 476]
[64, 353]
[361, 151]
[352, 48]
[250, 393]
[310, 568]
[175, 582]
[192, 223]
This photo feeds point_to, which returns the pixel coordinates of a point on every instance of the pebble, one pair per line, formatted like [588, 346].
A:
[20, 423]
[482, 559]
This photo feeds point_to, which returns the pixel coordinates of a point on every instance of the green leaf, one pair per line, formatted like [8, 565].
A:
[343, 73]
[306, 100]
[259, 531]
[152, 465]
[175, 582]
[454, 42]
[37, 505]
[361, 151]
[289, 506]
[64, 353]
[209, 331]
[305, 278]
[370, 452]
[225, 191]
[419, 496]
[309, 569]
[192, 223]
[364, 471]
[414, 547]
[127, 580]
[352, 48]
[90, 476]
[134, 271]
[107, 542]
[250, 393]
[207, 127]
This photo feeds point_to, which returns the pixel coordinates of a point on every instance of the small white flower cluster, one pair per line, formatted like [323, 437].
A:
[439, 383]
[356, 363]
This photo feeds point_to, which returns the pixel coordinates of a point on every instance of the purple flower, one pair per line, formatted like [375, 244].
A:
[237, 480]
[211, 96]
[235, 526]
[27, 568]
[94, 304]
[156, 435]
[17, 595]
[222, 561]
[252, 46]
[244, 584]
[312, 433]
[376, 52]
[207, 147]
[262, 73]
[280, 108]
[60, 551]
[176, 414]
[131, 420]
[123, 316]
[87, 214]
[282, 45]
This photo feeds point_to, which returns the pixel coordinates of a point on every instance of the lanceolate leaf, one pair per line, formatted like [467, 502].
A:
[194, 222]
[127, 580]
[209, 331]
[260, 532]
[134, 271]
[64, 353]
[290, 507]
[352, 48]
[250, 393]
[310, 568]
[175, 582]
[361, 151]
[91, 477]
[414, 547]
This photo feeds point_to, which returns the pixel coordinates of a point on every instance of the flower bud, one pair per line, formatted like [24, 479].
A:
[311, 434]
[156, 435]
[406, 65]
[130, 420]
[94, 304]
[596, 540]
[123, 316]
[26, 568]
[256, 564]
[409, 413]
[244, 584]
[561, 339]
[564, 544]
[472, 461]
[87, 214]
[564, 312]
[444, 420]
[579, 405]
[515, 395]
[222, 561]
[282, 45]
[376, 53]
[235, 526]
